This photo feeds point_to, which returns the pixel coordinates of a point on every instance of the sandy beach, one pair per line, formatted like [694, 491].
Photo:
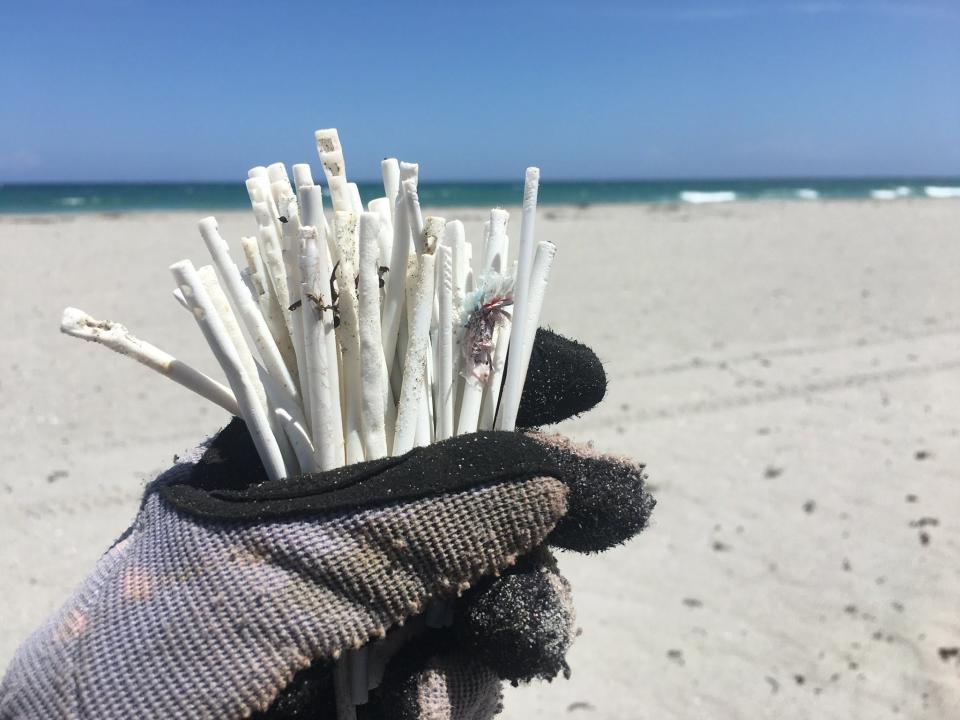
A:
[790, 373]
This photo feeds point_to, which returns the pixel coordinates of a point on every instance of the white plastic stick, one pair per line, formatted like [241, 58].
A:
[248, 281]
[445, 384]
[250, 367]
[521, 352]
[470, 405]
[390, 170]
[394, 299]
[431, 236]
[213, 330]
[457, 239]
[115, 336]
[539, 277]
[178, 296]
[319, 341]
[289, 217]
[491, 395]
[318, 278]
[261, 200]
[328, 140]
[381, 206]
[348, 334]
[471, 399]
[339, 192]
[299, 440]
[253, 370]
[373, 371]
[277, 172]
[302, 176]
[278, 399]
[414, 215]
[513, 381]
[291, 261]
[280, 187]
[244, 303]
[209, 279]
[263, 293]
[418, 345]
[482, 255]
[424, 432]
[334, 168]
[356, 203]
[324, 282]
[271, 250]
[251, 251]
[495, 250]
[325, 426]
[409, 178]
[311, 209]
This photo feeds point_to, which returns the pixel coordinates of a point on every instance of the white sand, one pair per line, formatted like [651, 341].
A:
[761, 357]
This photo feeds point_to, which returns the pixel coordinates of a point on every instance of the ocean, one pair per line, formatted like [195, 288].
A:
[125, 197]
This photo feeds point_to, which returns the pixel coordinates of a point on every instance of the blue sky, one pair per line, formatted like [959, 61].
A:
[151, 90]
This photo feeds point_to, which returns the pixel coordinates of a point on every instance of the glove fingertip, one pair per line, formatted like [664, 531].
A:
[520, 625]
[608, 500]
[564, 378]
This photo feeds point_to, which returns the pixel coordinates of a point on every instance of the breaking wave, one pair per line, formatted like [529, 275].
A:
[941, 191]
[696, 197]
[890, 193]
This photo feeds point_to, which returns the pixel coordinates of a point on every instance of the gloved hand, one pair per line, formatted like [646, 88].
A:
[231, 596]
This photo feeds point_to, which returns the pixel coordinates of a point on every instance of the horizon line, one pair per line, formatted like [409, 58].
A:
[519, 181]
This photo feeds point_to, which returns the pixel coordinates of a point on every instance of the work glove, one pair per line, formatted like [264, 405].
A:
[413, 585]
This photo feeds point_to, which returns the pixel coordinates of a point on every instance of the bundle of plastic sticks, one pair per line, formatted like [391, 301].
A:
[354, 333]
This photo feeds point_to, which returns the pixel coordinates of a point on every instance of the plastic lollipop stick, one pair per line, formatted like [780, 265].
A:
[213, 330]
[76, 323]
[513, 381]
[373, 371]
[246, 307]
[415, 362]
[302, 176]
[390, 170]
[445, 384]
[348, 333]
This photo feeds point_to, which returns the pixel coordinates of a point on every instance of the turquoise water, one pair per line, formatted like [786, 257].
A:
[123, 197]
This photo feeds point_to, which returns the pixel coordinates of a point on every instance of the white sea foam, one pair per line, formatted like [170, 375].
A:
[807, 194]
[72, 201]
[890, 194]
[940, 191]
[693, 196]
